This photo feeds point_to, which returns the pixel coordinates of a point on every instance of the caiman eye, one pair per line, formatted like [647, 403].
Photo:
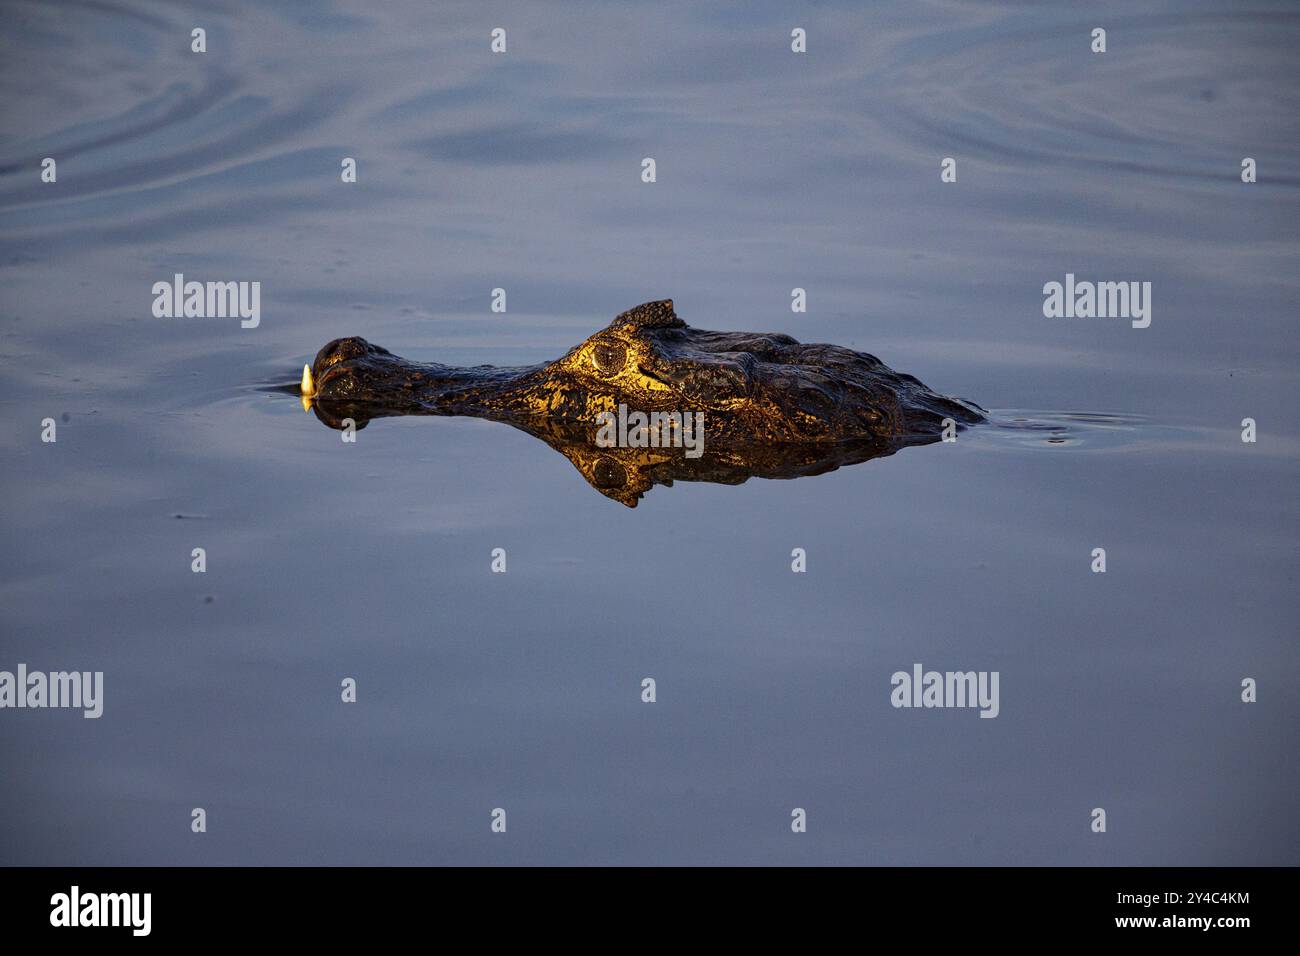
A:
[609, 357]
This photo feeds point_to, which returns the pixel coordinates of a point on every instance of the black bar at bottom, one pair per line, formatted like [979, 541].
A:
[367, 904]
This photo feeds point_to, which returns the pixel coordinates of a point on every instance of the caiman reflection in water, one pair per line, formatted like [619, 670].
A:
[772, 407]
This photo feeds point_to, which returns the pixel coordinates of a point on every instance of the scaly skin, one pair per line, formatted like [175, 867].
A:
[752, 388]
[772, 407]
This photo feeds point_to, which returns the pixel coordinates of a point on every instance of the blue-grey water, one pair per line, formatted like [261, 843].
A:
[774, 170]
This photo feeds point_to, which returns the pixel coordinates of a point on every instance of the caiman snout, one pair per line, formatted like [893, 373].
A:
[352, 373]
[352, 369]
[340, 350]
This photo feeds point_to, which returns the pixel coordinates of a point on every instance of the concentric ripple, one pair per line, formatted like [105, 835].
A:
[1184, 93]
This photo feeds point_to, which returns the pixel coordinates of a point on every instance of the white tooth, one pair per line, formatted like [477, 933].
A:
[308, 387]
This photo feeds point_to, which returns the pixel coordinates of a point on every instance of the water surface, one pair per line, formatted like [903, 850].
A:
[522, 690]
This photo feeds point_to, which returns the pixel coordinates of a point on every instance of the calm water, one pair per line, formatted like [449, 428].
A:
[522, 690]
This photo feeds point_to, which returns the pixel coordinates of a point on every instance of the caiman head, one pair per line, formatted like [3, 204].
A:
[752, 388]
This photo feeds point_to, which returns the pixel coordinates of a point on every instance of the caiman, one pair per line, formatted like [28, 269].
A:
[771, 405]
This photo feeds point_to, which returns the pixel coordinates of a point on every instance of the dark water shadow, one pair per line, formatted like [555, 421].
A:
[625, 474]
